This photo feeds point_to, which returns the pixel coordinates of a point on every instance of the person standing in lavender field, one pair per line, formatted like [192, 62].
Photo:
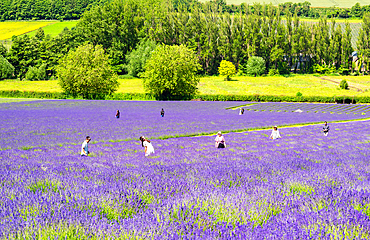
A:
[118, 114]
[149, 149]
[220, 141]
[325, 129]
[241, 111]
[275, 134]
[84, 149]
[162, 113]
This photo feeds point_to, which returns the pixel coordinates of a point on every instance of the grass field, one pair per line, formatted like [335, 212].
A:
[56, 28]
[314, 3]
[308, 85]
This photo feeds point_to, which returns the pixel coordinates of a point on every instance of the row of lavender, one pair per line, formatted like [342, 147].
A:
[303, 186]
[51, 123]
[311, 108]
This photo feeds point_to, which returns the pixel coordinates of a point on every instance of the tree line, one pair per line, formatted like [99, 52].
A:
[45, 9]
[74, 9]
[126, 29]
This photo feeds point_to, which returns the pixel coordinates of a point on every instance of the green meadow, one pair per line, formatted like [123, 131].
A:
[56, 28]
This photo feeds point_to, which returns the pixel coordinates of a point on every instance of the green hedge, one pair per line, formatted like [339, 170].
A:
[265, 98]
[32, 94]
[203, 97]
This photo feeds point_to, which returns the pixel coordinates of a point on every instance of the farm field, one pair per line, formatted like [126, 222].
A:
[302, 186]
[308, 85]
[314, 3]
[56, 28]
[9, 29]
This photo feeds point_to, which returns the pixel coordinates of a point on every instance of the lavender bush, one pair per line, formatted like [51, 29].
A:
[303, 186]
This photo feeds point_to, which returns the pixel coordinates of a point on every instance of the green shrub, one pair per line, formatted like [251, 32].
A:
[137, 58]
[299, 94]
[86, 72]
[226, 69]
[343, 84]
[273, 72]
[171, 73]
[323, 69]
[283, 68]
[256, 66]
[36, 73]
[343, 71]
[6, 68]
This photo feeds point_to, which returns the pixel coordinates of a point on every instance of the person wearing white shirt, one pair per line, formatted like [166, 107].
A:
[85, 149]
[220, 141]
[275, 133]
[149, 149]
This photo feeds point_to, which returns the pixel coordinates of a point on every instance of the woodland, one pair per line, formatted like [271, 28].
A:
[286, 43]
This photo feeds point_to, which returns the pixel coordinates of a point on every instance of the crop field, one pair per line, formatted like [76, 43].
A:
[302, 186]
[355, 25]
[308, 85]
[9, 29]
[56, 28]
[314, 3]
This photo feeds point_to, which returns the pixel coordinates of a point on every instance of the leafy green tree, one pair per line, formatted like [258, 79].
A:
[36, 73]
[85, 72]
[6, 69]
[347, 46]
[53, 49]
[3, 50]
[226, 69]
[256, 66]
[343, 84]
[23, 54]
[171, 73]
[336, 45]
[40, 34]
[356, 10]
[117, 26]
[363, 42]
[137, 58]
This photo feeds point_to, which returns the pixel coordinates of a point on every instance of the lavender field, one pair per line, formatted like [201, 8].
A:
[302, 186]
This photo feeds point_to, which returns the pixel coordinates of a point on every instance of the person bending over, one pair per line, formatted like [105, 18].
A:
[85, 149]
[149, 149]
[220, 141]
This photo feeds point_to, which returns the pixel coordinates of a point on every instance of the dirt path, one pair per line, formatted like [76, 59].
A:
[338, 82]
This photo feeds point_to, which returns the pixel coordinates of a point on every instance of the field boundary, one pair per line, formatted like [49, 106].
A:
[203, 97]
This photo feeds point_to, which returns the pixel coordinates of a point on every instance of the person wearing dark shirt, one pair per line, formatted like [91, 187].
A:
[162, 113]
[118, 114]
[325, 129]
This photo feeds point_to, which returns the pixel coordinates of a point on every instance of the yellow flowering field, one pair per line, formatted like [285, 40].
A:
[9, 29]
